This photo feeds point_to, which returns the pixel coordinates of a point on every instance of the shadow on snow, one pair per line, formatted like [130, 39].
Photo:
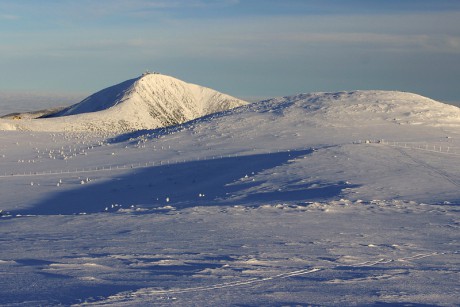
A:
[221, 181]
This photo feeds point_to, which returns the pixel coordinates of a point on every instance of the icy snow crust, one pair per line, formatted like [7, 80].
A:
[330, 199]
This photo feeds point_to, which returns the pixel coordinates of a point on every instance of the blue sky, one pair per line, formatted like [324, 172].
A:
[247, 48]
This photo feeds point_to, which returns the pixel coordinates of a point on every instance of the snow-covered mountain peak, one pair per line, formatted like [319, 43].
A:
[150, 101]
[166, 98]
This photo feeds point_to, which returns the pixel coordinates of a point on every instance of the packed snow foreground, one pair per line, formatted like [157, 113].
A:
[333, 199]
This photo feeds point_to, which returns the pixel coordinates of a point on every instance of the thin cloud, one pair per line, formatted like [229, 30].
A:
[113, 7]
[8, 17]
[445, 43]
[186, 4]
[71, 12]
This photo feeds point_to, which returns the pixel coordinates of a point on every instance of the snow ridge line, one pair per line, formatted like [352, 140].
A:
[126, 296]
[133, 165]
[448, 150]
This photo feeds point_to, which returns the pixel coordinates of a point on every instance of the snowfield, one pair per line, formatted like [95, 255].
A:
[329, 199]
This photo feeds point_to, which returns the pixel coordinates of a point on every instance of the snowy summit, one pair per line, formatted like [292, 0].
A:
[150, 101]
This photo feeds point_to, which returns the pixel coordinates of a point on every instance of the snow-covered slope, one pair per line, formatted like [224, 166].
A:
[357, 108]
[285, 202]
[337, 125]
[147, 102]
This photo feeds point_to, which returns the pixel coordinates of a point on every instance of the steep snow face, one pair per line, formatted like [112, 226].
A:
[101, 100]
[148, 102]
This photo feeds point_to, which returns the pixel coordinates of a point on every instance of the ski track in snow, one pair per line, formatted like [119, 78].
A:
[91, 266]
[143, 293]
[424, 164]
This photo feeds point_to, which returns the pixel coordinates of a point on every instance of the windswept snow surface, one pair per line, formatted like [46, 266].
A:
[316, 199]
[147, 102]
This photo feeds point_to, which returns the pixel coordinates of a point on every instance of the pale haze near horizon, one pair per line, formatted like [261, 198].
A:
[250, 49]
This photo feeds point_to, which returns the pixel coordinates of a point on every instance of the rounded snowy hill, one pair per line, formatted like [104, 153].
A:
[358, 108]
[147, 102]
[320, 118]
